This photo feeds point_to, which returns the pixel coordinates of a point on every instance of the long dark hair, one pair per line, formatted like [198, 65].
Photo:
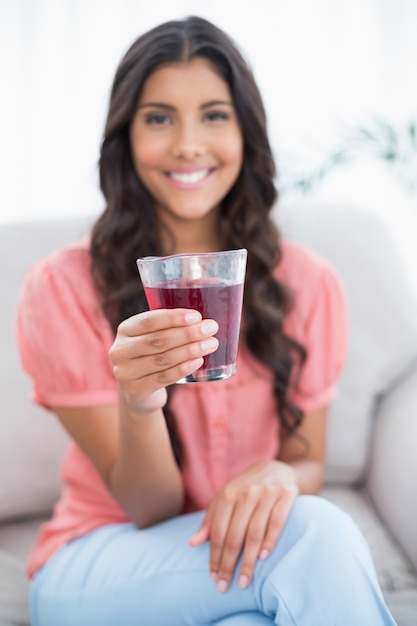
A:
[128, 226]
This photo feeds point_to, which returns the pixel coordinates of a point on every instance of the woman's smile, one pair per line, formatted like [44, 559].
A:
[190, 178]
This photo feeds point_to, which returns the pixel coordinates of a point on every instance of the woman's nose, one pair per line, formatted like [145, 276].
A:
[188, 142]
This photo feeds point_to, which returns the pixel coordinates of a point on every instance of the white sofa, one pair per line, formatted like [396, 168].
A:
[372, 448]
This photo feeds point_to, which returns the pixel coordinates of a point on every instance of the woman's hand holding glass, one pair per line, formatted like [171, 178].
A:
[154, 349]
[247, 516]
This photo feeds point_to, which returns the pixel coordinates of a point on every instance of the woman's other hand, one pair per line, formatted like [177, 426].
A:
[247, 516]
[157, 348]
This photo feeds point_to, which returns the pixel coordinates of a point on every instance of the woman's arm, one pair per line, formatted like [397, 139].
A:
[305, 451]
[133, 455]
[129, 443]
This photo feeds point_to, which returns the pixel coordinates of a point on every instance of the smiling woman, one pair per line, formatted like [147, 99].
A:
[190, 504]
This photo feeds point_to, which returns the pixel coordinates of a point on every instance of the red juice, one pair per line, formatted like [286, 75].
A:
[218, 301]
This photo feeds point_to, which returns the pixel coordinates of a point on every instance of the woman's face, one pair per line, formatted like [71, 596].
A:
[186, 141]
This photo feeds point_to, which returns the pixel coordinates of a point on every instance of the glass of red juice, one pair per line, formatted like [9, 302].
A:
[211, 283]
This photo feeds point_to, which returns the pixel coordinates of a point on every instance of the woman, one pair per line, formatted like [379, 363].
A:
[193, 504]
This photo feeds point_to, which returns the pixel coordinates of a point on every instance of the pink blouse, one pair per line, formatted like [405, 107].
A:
[224, 426]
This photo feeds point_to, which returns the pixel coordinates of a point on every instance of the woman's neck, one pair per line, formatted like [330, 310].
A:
[192, 236]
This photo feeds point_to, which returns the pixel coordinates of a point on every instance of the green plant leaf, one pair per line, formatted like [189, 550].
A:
[389, 156]
[396, 146]
[413, 134]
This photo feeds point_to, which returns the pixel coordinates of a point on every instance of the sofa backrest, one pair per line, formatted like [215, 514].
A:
[382, 344]
[32, 442]
[382, 320]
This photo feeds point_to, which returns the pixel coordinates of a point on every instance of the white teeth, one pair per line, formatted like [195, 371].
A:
[190, 177]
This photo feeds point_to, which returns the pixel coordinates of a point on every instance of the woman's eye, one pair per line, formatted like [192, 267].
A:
[157, 119]
[216, 116]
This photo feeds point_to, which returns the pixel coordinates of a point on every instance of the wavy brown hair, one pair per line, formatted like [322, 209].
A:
[128, 228]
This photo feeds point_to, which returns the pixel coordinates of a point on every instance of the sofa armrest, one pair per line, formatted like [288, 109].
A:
[392, 476]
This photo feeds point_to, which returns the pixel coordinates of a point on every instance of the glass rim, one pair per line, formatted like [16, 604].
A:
[189, 255]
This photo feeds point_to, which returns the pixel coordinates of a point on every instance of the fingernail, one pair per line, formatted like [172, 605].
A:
[192, 317]
[196, 363]
[221, 586]
[208, 344]
[243, 581]
[264, 554]
[208, 328]
[214, 576]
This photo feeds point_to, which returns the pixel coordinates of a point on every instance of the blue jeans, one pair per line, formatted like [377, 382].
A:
[320, 574]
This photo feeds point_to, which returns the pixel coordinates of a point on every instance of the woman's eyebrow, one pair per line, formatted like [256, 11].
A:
[216, 103]
[158, 105]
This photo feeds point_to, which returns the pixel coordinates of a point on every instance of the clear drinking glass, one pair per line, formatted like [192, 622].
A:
[211, 283]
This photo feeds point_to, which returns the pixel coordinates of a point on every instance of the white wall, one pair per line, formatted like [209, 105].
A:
[320, 64]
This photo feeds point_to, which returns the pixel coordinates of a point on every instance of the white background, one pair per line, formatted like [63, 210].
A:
[320, 64]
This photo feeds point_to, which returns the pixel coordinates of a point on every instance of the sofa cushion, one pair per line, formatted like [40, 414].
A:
[393, 463]
[14, 590]
[382, 314]
[403, 606]
[396, 574]
[395, 571]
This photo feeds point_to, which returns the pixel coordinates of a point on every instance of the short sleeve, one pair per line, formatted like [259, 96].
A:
[321, 327]
[63, 337]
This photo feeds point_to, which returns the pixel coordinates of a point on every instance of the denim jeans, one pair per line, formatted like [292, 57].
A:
[319, 574]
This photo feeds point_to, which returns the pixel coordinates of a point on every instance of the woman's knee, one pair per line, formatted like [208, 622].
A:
[327, 523]
[321, 556]
[315, 510]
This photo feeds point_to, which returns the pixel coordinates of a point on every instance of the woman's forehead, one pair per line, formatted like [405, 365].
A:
[179, 80]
